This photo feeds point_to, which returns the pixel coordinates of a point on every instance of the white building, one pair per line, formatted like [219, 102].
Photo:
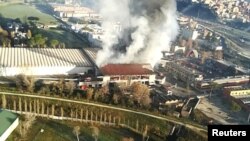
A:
[178, 48]
[94, 34]
[127, 74]
[67, 11]
[43, 61]
[122, 74]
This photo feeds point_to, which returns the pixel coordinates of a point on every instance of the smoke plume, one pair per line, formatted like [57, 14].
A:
[136, 31]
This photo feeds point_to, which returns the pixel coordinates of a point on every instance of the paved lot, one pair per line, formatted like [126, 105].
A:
[219, 109]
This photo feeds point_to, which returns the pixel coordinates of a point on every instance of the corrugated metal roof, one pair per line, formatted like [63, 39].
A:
[126, 69]
[92, 52]
[37, 57]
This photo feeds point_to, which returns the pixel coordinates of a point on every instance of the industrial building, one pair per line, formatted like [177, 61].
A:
[240, 95]
[43, 61]
[50, 62]
[127, 74]
[181, 70]
[91, 53]
[123, 74]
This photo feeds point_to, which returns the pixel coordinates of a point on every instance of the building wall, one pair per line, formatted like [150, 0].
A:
[129, 81]
[238, 101]
[106, 80]
[91, 84]
[76, 15]
[6, 134]
[12, 71]
[240, 92]
[152, 79]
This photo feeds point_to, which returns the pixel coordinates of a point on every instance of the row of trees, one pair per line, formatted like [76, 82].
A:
[137, 95]
[95, 132]
[40, 41]
[78, 112]
[8, 37]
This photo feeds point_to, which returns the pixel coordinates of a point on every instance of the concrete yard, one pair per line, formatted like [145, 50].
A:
[218, 108]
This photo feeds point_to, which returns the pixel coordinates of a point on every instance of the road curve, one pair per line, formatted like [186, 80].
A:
[110, 107]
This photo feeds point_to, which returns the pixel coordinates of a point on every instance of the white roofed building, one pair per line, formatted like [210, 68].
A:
[43, 61]
[67, 11]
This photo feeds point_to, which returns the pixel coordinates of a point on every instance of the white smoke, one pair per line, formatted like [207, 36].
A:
[153, 23]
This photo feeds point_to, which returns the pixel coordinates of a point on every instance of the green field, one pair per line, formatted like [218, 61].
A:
[23, 11]
[63, 131]
[70, 40]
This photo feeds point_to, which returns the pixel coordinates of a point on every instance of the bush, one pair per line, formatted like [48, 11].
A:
[235, 107]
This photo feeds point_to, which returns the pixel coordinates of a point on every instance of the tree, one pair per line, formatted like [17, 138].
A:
[30, 83]
[62, 45]
[39, 40]
[116, 98]
[4, 33]
[60, 87]
[4, 101]
[95, 132]
[12, 34]
[140, 93]
[26, 123]
[31, 42]
[25, 83]
[70, 86]
[53, 43]
[104, 90]
[29, 34]
[76, 132]
[89, 93]
[5, 42]
[97, 95]
[146, 101]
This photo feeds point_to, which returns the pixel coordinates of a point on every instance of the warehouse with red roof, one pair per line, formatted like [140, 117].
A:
[127, 74]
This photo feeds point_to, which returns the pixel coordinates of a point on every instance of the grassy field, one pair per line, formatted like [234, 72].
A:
[23, 11]
[70, 40]
[63, 131]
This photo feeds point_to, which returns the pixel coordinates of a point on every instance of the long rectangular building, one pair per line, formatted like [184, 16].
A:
[127, 74]
[43, 61]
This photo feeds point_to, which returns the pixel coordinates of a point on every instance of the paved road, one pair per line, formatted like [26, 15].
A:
[195, 128]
